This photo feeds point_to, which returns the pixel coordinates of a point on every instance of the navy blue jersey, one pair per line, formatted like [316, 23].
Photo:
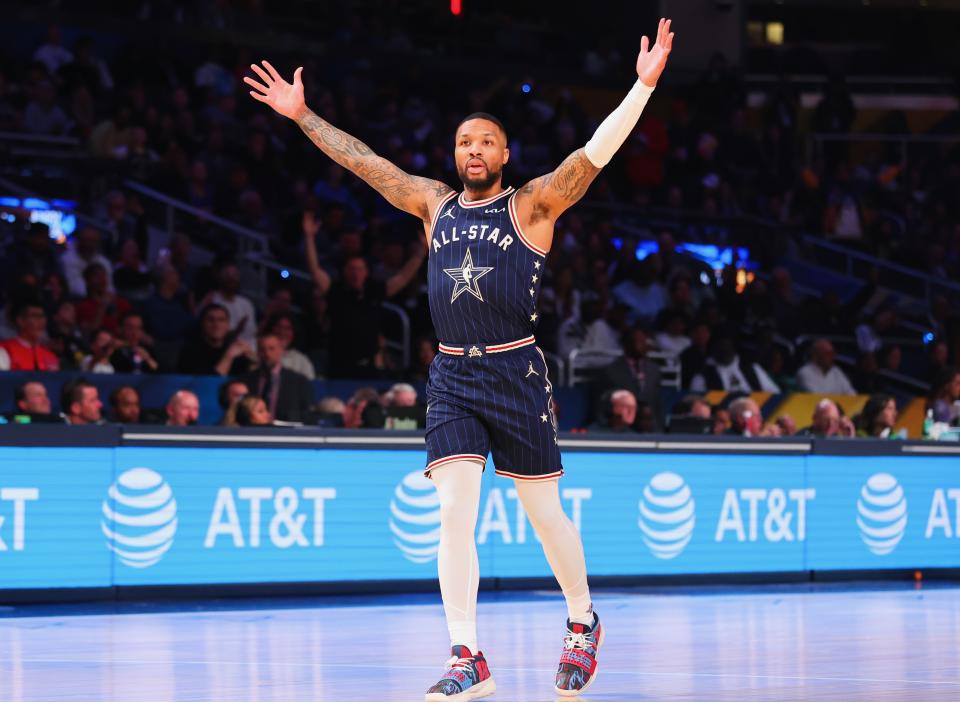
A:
[484, 275]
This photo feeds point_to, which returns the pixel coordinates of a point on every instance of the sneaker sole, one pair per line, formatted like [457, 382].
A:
[593, 678]
[482, 689]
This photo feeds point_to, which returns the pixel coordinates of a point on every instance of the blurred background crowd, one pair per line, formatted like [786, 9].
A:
[759, 232]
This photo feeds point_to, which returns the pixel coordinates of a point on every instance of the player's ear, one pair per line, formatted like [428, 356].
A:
[506, 155]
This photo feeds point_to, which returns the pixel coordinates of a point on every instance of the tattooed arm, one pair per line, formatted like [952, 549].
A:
[413, 194]
[551, 194]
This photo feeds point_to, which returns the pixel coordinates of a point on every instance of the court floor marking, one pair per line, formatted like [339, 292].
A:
[382, 666]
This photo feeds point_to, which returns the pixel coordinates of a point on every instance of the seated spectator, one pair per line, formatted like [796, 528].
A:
[249, 411]
[101, 349]
[870, 334]
[242, 313]
[745, 418]
[329, 412]
[363, 410]
[83, 250]
[642, 293]
[80, 403]
[101, 308]
[673, 339]
[281, 325]
[25, 351]
[288, 394]
[694, 357]
[166, 315]
[722, 421]
[401, 409]
[425, 352]
[828, 423]
[125, 405]
[878, 417]
[635, 372]
[692, 406]
[132, 354]
[944, 398]
[216, 351]
[786, 425]
[724, 370]
[31, 399]
[229, 394]
[619, 412]
[691, 415]
[131, 277]
[183, 409]
[820, 375]
[66, 339]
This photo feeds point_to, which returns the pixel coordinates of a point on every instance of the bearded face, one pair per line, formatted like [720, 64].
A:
[481, 153]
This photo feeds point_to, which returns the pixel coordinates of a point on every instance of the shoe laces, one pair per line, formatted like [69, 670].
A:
[575, 641]
[464, 664]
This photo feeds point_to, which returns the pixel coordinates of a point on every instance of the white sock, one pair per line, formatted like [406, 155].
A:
[561, 545]
[458, 485]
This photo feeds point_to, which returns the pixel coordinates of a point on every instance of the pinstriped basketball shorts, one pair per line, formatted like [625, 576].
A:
[493, 399]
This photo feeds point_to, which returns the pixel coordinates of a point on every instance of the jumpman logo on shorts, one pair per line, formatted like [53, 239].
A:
[531, 371]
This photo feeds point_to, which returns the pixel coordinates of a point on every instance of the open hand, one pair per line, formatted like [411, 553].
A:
[652, 59]
[285, 98]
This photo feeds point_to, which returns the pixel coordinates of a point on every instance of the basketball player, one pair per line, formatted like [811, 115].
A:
[488, 387]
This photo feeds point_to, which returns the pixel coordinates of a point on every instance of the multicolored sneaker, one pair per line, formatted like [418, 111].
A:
[578, 662]
[467, 678]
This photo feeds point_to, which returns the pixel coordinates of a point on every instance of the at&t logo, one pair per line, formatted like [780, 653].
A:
[415, 518]
[667, 515]
[882, 513]
[139, 517]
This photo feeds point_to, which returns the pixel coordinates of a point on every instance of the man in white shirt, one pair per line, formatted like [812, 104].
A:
[84, 250]
[820, 375]
[243, 315]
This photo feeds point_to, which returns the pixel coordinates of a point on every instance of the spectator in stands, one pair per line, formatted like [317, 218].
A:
[132, 354]
[52, 53]
[31, 398]
[229, 394]
[944, 398]
[870, 334]
[721, 419]
[329, 412]
[400, 395]
[66, 340]
[102, 347]
[101, 308]
[673, 337]
[786, 425]
[938, 359]
[724, 370]
[745, 418]
[878, 417]
[827, 422]
[80, 402]
[131, 277]
[363, 411]
[692, 406]
[183, 409]
[216, 351]
[355, 302]
[820, 375]
[281, 325]
[42, 114]
[633, 371]
[166, 315]
[83, 250]
[26, 351]
[287, 393]
[642, 293]
[694, 357]
[243, 315]
[125, 405]
[249, 411]
[425, 349]
[618, 412]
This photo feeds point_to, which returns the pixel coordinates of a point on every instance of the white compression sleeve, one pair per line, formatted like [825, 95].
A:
[561, 544]
[613, 131]
[458, 486]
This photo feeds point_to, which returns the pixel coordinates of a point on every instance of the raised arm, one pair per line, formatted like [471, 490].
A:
[413, 194]
[545, 198]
